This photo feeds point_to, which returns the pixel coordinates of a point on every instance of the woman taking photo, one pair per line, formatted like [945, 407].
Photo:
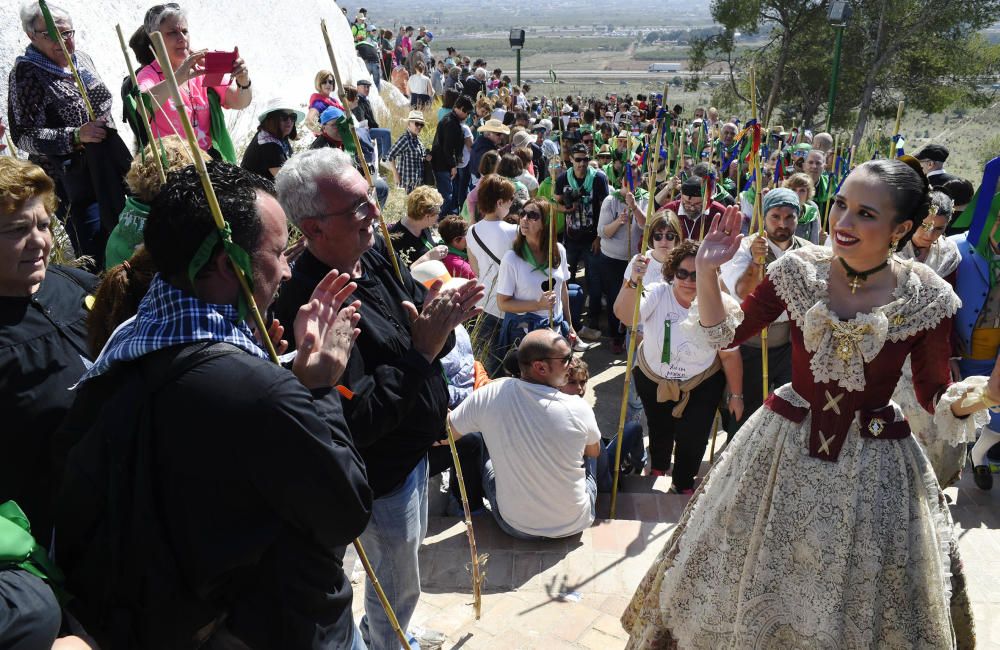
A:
[822, 522]
[679, 381]
[529, 292]
[202, 108]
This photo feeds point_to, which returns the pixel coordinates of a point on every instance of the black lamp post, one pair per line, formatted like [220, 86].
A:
[516, 43]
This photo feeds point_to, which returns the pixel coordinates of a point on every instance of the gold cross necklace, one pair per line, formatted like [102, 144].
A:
[857, 278]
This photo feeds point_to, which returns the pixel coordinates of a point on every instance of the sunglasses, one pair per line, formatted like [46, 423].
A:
[565, 360]
[328, 81]
[660, 236]
[581, 160]
[287, 116]
[588, 141]
[683, 274]
[531, 215]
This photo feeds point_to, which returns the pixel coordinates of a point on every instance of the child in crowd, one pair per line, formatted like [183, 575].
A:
[452, 231]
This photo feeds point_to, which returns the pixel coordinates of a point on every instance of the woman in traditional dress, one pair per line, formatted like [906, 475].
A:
[822, 524]
[941, 254]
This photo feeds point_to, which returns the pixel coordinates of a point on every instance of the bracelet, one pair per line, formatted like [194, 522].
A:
[737, 396]
[632, 284]
[246, 87]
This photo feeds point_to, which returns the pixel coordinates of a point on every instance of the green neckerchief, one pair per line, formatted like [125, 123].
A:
[809, 214]
[19, 549]
[614, 180]
[458, 251]
[640, 194]
[221, 141]
[529, 257]
[235, 253]
[588, 182]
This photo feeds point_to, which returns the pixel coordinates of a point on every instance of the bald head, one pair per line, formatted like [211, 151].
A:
[822, 141]
[543, 356]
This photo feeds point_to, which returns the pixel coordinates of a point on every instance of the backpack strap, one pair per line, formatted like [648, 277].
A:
[479, 241]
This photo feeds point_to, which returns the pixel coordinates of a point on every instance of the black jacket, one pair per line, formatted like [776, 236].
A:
[448, 143]
[257, 489]
[43, 345]
[399, 400]
[363, 111]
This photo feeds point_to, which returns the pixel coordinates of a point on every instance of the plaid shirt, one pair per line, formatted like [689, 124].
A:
[410, 164]
[167, 316]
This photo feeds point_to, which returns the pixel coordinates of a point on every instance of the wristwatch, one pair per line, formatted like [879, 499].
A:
[631, 284]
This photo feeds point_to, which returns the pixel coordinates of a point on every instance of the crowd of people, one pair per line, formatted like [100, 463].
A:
[189, 492]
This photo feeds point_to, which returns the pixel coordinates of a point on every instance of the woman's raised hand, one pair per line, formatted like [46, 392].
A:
[721, 241]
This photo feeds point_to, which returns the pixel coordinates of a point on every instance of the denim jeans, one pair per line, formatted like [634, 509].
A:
[444, 186]
[359, 643]
[381, 192]
[577, 253]
[576, 300]
[384, 139]
[460, 189]
[375, 70]
[490, 489]
[392, 540]
[634, 409]
[633, 454]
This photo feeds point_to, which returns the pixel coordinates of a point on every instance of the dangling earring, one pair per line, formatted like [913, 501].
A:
[892, 249]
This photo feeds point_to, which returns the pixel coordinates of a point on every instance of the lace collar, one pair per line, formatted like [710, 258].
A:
[841, 348]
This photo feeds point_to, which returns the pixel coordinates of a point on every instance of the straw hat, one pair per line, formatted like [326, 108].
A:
[280, 104]
[415, 116]
[494, 126]
[521, 139]
[605, 150]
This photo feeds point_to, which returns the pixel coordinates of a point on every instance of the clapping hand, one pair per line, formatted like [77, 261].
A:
[721, 241]
[325, 331]
[444, 310]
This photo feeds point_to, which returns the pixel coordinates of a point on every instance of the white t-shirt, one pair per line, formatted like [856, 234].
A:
[420, 84]
[688, 356]
[498, 237]
[529, 181]
[535, 435]
[520, 281]
[654, 270]
[466, 150]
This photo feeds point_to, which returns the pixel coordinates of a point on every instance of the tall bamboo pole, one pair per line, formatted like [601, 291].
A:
[895, 131]
[635, 316]
[56, 36]
[552, 242]
[220, 223]
[760, 226]
[478, 563]
[357, 147]
[143, 116]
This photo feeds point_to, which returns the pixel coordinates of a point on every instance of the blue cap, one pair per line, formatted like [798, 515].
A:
[330, 113]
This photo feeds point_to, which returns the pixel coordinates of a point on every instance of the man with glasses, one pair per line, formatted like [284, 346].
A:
[537, 436]
[49, 121]
[579, 192]
[395, 393]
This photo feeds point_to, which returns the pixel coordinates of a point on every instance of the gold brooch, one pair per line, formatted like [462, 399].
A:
[848, 338]
[876, 426]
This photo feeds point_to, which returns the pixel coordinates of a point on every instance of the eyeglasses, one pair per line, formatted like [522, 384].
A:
[660, 236]
[66, 35]
[580, 161]
[362, 210]
[683, 274]
[531, 215]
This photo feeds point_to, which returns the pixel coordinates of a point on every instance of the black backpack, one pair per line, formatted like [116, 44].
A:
[111, 539]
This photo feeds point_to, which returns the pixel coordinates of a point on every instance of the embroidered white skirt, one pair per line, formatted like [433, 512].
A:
[781, 550]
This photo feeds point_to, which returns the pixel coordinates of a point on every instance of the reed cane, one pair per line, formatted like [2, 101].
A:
[357, 146]
[704, 208]
[552, 237]
[635, 321]
[220, 223]
[56, 36]
[478, 563]
[10, 144]
[895, 132]
[143, 116]
[715, 434]
[760, 226]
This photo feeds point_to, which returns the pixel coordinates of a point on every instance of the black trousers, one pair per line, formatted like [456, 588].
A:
[470, 453]
[779, 368]
[685, 437]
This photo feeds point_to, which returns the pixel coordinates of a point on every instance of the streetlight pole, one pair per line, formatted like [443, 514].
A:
[840, 12]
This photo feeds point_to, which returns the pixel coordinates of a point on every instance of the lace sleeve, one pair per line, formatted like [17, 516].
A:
[718, 336]
[953, 430]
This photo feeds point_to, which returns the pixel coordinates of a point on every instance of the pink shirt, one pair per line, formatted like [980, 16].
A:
[195, 97]
[458, 267]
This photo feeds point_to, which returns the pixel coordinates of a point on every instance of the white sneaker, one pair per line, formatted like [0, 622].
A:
[589, 334]
[580, 346]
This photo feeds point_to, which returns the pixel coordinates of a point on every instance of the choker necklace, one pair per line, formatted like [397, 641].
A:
[857, 278]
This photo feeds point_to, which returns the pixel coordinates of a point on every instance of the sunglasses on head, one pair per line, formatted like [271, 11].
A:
[684, 274]
[660, 236]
